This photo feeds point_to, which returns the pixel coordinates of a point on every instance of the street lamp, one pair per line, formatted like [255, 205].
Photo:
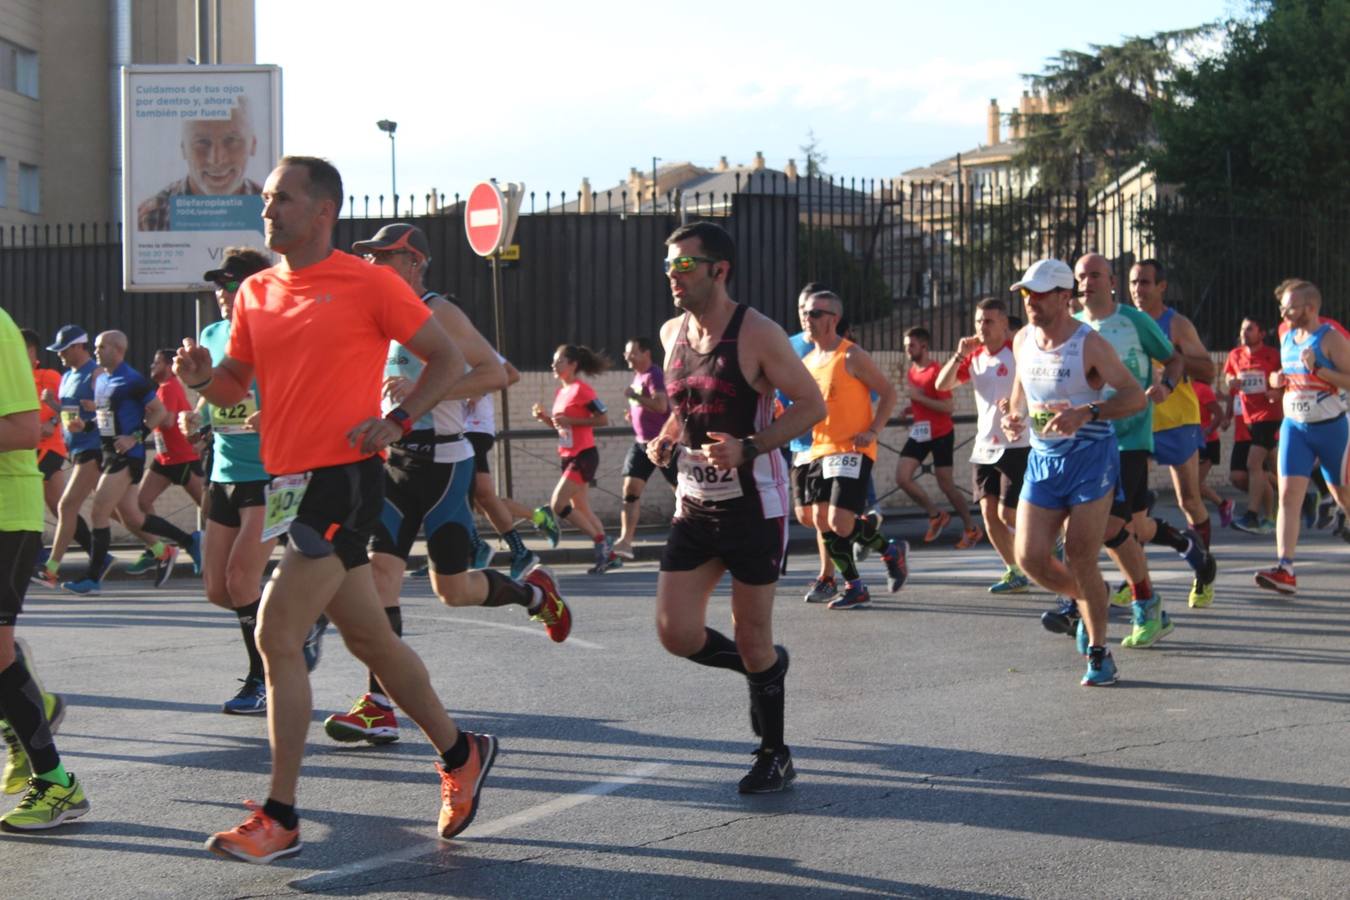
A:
[390, 127]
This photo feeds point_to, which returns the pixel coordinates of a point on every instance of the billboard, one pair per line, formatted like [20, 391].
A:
[197, 144]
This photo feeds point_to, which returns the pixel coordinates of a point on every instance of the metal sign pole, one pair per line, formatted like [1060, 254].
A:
[501, 348]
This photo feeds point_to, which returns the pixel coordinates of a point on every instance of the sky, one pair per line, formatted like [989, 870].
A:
[545, 93]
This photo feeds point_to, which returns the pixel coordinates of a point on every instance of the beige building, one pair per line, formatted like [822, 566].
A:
[60, 87]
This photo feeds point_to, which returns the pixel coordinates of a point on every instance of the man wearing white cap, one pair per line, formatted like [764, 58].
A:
[1064, 369]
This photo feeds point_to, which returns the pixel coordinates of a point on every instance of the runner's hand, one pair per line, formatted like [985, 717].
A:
[50, 398]
[969, 345]
[725, 451]
[659, 450]
[1276, 380]
[1308, 358]
[1067, 421]
[397, 388]
[254, 422]
[192, 364]
[373, 435]
[864, 438]
[124, 443]
[1013, 425]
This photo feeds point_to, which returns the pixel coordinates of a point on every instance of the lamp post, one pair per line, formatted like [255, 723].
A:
[389, 128]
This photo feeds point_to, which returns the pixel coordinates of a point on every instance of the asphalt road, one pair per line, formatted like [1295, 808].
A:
[943, 744]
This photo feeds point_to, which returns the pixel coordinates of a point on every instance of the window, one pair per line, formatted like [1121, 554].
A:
[30, 188]
[18, 69]
[4, 182]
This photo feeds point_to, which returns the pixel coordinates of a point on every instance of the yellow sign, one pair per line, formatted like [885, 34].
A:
[509, 253]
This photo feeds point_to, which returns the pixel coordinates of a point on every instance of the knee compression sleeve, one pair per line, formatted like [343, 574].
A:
[565, 511]
[841, 551]
[631, 498]
[1120, 537]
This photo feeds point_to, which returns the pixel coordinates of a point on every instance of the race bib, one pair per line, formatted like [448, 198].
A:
[1252, 381]
[283, 496]
[104, 416]
[234, 419]
[160, 446]
[1312, 406]
[700, 479]
[986, 454]
[1042, 413]
[565, 437]
[801, 458]
[921, 432]
[842, 465]
[69, 414]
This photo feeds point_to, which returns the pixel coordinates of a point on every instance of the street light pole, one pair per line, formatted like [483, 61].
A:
[390, 127]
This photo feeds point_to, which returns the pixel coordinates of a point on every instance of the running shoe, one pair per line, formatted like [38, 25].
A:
[250, 701]
[194, 549]
[1122, 596]
[368, 721]
[314, 642]
[552, 611]
[1202, 588]
[45, 577]
[1150, 623]
[421, 571]
[771, 772]
[896, 559]
[1308, 508]
[860, 550]
[935, 526]
[17, 770]
[854, 596]
[1278, 579]
[1101, 671]
[83, 586]
[605, 559]
[1012, 582]
[1249, 523]
[624, 551]
[460, 787]
[523, 562]
[46, 805]
[970, 537]
[1063, 619]
[546, 523]
[482, 554]
[1225, 513]
[822, 590]
[1267, 527]
[142, 564]
[164, 565]
[1326, 510]
[260, 839]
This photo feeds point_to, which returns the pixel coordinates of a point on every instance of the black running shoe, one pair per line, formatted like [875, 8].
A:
[771, 772]
[1063, 619]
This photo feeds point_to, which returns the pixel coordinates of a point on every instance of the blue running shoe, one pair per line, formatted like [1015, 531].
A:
[547, 524]
[482, 554]
[1063, 619]
[83, 586]
[1012, 582]
[1101, 670]
[522, 563]
[250, 701]
[194, 549]
[854, 596]
[314, 643]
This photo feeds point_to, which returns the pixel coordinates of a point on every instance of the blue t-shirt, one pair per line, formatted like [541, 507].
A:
[125, 396]
[802, 344]
[238, 455]
[77, 385]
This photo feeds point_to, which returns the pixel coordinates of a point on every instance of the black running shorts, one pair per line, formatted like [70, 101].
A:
[637, 464]
[49, 463]
[1131, 485]
[178, 473]
[751, 549]
[227, 499]
[1002, 478]
[482, 450]
[943, 450]
[342, 505]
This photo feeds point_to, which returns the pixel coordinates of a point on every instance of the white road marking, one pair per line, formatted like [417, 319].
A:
[525, 629]
[491, 829]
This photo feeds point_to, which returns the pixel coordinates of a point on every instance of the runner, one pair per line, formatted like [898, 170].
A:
[53, 796]
[51, 449]
[1247, 370]
[723, 363]
[125, 407]
[576, 412]
[1064, 369]
[931, 431]
[986, 360]
[648, 409]
[327, 490]
[76, 397]
[427, 477]
[175, 462]
[1211, 455]
[1315, 360]
[844, 448]
[1176, 433]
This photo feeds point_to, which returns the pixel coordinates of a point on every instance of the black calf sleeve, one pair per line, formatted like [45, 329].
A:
[841, 551]
[719, 652]
[768, 700]
[21, 705]
[83, 538]
[166, 529]
[502, 591]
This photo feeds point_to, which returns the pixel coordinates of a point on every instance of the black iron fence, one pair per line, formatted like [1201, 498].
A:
[900, 254]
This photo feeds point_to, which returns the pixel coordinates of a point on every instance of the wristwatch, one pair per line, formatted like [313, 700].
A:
[748, 449]
[399, 416]
[1095, 410]
[1169, 384]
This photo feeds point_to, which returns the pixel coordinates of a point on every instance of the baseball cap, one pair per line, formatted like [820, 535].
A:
[68, 336]
[235, 268]
[1046, 275]
[398, 236]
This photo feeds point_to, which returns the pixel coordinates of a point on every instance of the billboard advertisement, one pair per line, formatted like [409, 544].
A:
[197, 144]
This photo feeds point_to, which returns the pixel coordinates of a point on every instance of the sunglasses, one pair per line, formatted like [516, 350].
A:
[684, 264]
[228, 287]
[818, 313]
[1028, 294]
[376, 256]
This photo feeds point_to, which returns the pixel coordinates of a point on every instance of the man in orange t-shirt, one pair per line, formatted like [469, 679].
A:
[314, 331]
[51, 448]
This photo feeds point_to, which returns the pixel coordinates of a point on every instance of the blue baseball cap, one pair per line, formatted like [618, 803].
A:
[67, 337]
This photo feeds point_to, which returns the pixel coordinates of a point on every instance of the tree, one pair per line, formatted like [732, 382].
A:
[1100, 106]
[815, 157]
[1265, 123]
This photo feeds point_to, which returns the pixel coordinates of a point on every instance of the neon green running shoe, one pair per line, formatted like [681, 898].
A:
[46, 805]
[1151, 624]
[547, 524]
[143, 563]
[1123, 595]
[1200, 596]
[1012, 582]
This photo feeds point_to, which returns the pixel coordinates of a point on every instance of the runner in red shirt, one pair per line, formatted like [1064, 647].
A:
[1247, 371]
[175, 462]
[931, 431]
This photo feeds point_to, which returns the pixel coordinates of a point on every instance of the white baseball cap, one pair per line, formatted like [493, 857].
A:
[1046, 275]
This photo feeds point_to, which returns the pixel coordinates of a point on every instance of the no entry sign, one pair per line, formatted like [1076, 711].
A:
[485, 218]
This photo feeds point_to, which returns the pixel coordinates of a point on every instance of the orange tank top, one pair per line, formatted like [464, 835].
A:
[848, 405]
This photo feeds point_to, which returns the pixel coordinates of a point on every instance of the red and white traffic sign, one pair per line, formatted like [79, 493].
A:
[485, 218]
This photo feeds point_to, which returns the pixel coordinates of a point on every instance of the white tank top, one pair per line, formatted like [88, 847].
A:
[1056, 380]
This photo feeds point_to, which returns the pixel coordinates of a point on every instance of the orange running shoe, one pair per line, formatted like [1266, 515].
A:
[970, 538]
[259, 840]
[935, 526]
[460, 787]
[1276, 579]
[552, 611]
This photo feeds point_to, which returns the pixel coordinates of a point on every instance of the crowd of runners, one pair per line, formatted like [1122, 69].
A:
[747, 424]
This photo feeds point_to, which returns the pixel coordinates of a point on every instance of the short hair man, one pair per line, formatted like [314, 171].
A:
[217, 153]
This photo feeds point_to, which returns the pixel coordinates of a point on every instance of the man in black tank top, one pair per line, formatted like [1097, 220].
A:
[723, 364]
